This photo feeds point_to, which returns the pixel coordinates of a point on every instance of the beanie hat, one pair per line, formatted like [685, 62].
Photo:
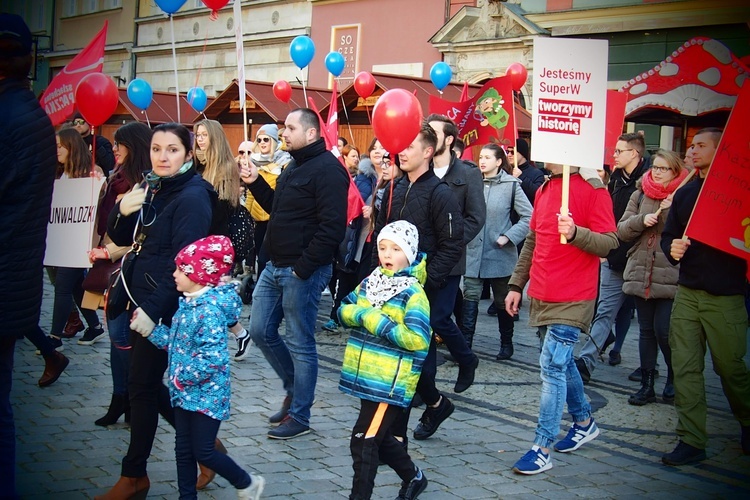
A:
[206, 260]
[523, 147]
[271, 130]
[405, 235]
[15, 37]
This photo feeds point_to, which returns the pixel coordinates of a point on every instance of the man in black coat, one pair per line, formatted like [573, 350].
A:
[421, 198]
[307, 223]
[105, 158]
[629, 166]
[27, 174]
[531, 177]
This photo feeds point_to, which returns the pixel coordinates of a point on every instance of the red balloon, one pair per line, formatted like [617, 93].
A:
[518, 74]
[364, 84]
[282, 90]
[215, 4]
[396, 119]
[96, 98]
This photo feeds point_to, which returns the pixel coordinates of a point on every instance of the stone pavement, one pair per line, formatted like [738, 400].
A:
[62, 454]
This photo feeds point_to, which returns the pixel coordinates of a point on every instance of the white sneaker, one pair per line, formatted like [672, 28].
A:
[253, 491]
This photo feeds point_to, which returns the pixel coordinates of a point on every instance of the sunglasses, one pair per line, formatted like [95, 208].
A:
[243, 152]
[511, 152]
[79, 121]
[263, 139]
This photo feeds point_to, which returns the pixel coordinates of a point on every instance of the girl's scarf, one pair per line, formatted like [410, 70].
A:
[658, 191]
[382, 287]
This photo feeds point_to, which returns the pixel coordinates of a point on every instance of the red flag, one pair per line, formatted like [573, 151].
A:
[464, 93]
[488, 117]
[59, 98]
[330, 132]
[721, 217]
[616, 102]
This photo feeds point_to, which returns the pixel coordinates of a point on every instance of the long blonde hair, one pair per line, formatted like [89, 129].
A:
[220, 168]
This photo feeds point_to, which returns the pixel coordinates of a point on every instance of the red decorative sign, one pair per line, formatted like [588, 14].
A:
[616, 102]
[721, 217]
[488, 117]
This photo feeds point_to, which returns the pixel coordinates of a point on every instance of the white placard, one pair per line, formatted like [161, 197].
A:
[570, 101]
[72, 222]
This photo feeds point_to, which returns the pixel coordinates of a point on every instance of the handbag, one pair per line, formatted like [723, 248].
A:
[98, 277]
[117, 297]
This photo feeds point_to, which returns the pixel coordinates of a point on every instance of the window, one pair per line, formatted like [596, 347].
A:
[70, 8]
[112, 4]
[90, 6]
[37, 17]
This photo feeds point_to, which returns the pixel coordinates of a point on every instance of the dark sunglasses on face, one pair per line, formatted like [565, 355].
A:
[79, 121]
[263, 139]
[511, 152]
[243, 152]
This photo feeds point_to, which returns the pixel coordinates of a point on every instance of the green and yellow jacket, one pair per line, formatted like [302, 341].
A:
[388, 344]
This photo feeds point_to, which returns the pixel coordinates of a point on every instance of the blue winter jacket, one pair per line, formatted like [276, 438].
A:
[198, 364]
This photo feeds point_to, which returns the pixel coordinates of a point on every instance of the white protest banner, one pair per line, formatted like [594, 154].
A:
[72, 222]
[570, 101]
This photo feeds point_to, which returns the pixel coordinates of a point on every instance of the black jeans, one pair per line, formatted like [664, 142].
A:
[149, 398]
[7, 424]
[371, 441]
[195, 437]
[67, 290]
[653, 320]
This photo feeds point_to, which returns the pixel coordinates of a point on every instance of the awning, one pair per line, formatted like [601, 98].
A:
[701, 77]
[163, 109]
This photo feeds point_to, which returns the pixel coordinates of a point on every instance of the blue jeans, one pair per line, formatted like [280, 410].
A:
[119, 351]
[280, 294]
[610, 300]
[195, 437]
[561, 383]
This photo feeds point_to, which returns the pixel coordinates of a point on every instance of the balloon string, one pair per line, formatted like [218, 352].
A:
[367, 109]
[200, 66]
[304, 90]
[176, 79]
[147, 120]
[93, 149]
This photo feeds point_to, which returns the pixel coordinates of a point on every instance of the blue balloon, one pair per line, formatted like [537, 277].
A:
[335, 63]
[441, 75]
[170, 6]
[140, 93]
[302, 50]
[197, 98]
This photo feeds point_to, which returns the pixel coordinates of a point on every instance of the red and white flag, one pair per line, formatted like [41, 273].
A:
[59, 98]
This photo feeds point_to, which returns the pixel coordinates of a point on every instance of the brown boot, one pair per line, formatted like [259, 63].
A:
[73, 326]
[127, 488]
[54, 365]
[207, 475]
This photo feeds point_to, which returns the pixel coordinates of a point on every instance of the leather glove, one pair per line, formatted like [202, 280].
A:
[141, 323]
[132, 201]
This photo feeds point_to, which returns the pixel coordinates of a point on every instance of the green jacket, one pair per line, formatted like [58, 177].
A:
[387, 345]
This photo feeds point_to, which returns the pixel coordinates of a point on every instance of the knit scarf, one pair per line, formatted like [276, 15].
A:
[658, 191]
[382, 287]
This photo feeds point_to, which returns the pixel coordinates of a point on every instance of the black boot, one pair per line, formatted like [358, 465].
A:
[116, 409]
[505, 325]
[646, 393]
[469, 312]
[668, 393]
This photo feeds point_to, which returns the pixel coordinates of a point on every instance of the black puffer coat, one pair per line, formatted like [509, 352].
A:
[308, 210]
[621, 188]
[429, 204]
[183, 208]
[29, 159]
